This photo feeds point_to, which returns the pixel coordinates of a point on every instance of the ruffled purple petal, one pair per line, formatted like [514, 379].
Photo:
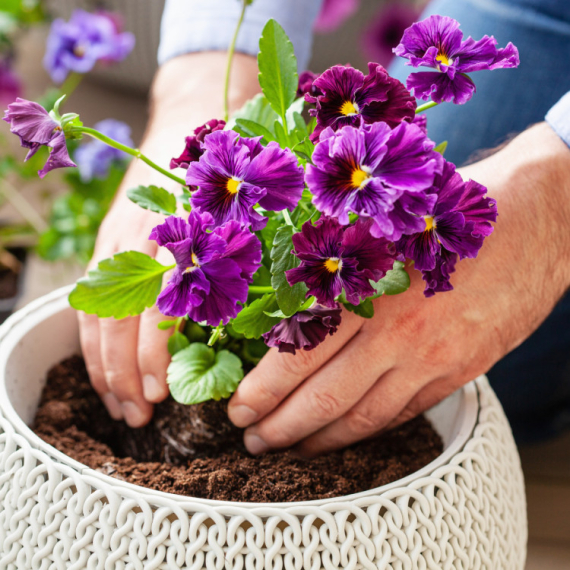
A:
[242, 246]
[356, 283]
[507, 57]
[437, 280]
[173, 229]
[58, 156]
[31, 122]
[323, 284]
[182, 292]
[322, 239]
[483, 54]
[423, 248]
[193, 149]
[406, 217]
[457, 236]
[421, 122]
[477, 208]
[439, 87]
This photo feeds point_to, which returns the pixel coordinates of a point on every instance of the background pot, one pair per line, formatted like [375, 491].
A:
[465, 510]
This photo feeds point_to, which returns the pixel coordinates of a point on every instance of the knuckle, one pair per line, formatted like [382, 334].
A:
[324, 406]
[299, 365]
[122, 384]
[361, 422]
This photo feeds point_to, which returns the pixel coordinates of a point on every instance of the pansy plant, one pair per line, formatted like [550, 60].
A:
[284, 215]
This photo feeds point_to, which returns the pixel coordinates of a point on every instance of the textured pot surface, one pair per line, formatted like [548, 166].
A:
[466, 510]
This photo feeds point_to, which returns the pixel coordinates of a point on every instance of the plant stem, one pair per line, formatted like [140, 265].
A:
[27, 211]
[287, 218]
[260, 289]
[132, 151]
[70, 84]
[426, 106]
[231, 51]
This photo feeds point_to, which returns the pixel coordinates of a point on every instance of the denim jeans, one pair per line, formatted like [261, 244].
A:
[533, 381]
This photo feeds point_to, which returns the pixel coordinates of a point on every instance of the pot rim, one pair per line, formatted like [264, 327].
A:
[26, 318]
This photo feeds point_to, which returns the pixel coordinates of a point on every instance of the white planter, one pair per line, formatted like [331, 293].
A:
[466, 510]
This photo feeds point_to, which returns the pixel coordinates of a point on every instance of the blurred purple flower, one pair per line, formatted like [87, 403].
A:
[304, 330]
[32, 123]
[386, 30]
[94, 158]
[194, 145]
[77, 45]
[333, 14]
[306, 80]
[10, 87]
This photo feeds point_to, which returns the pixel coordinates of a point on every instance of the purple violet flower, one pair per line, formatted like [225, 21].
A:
[235, 173]
[377, 173]
[457, 224]
[10, 87]
[334, 258]
[194, 145]
[350, 98]
[437, 42]
[94, 159]
[77, 45]
[334, 13]
[32, 123]
[213, 268]
[306, 80]
[304, 330]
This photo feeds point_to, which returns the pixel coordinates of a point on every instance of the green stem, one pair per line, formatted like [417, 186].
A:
[426, 106]
[70, 84]
[132, 151]
[287, 218]
[20, 203]
[231, 51]
[261, 289]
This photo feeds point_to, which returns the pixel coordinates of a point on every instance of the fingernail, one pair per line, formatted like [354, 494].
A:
[134, 416]
[153, 390]
[254, 444]
[113, 405]
[242, 416]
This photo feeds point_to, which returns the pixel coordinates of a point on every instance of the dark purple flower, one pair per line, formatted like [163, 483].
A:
[94, 158]
[457, 224]
[350, 98]
[194, 145]
[386, 30]
[32, 123]
[213, 268]
[333, 13]
[304, 330]
[77, 45]
[235, 173]
[437, 42]
[375, 172]
[10, 87]
[306, 80]
[334, 258]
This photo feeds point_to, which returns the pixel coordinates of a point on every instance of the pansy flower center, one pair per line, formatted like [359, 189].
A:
[232, 186]
[430, 223]
[79, 50]
[195, 264]
[333, 264]
[349, 108]
[442, 58]
[359, 177]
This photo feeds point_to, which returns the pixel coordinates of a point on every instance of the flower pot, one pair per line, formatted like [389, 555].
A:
[465, 510]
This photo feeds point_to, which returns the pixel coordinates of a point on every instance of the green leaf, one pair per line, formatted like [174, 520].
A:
[154, 199]
[277, 67]
[252, 321]
[288, 298]
[280, 134]
[165, 325]
[441, 148]
[177, 342]
[293, 115]
[257, 110]
[248, 128]
[122, 286]
[396, 281]
[365, 309]
[197, 374]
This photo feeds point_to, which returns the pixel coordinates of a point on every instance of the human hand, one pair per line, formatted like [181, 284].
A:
[373, 374]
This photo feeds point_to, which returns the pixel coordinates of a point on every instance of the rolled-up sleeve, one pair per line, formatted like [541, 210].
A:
[203, 25]
[559, 118]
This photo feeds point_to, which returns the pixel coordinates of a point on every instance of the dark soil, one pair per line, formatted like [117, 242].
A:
[195, 451]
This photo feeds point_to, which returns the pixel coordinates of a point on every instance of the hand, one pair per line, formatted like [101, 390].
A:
[374, 374]
[127, 359]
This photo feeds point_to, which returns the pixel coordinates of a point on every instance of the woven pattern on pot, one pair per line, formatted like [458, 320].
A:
[467, 515]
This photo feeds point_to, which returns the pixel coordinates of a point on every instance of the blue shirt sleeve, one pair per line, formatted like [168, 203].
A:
[204, 25]
[559, 118]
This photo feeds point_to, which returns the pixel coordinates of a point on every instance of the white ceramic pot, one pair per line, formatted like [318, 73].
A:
[465, 510]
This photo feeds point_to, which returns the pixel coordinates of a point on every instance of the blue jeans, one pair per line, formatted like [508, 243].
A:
[533, 381]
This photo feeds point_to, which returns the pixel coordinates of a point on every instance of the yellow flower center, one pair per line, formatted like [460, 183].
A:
[195, 259]
[349, 108]
[79, 50]
[359, 178]
[333, 264]
[233, 185]
[442, 58]
[430, 223]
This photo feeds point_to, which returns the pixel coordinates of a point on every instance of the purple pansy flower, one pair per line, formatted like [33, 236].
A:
[304, 330]
[350, 98]
[10, 87]
[375, 172]
[94, 159]
[306, 80]
[421, 122]
[235, 173]
[213, 268]
[32, 123]
[77, 45]
[333, 13]
[457, 224]
[437, 42]
[194, 145]
[334, 258]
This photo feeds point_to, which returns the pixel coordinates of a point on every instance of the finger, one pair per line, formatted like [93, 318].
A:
[119, 340]
[153, 356]
[324, 397]
[385, 401]
[278, 374]
[91, 349]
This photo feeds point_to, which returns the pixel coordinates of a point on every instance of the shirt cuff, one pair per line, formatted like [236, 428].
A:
[559, 118]
[209, 25]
